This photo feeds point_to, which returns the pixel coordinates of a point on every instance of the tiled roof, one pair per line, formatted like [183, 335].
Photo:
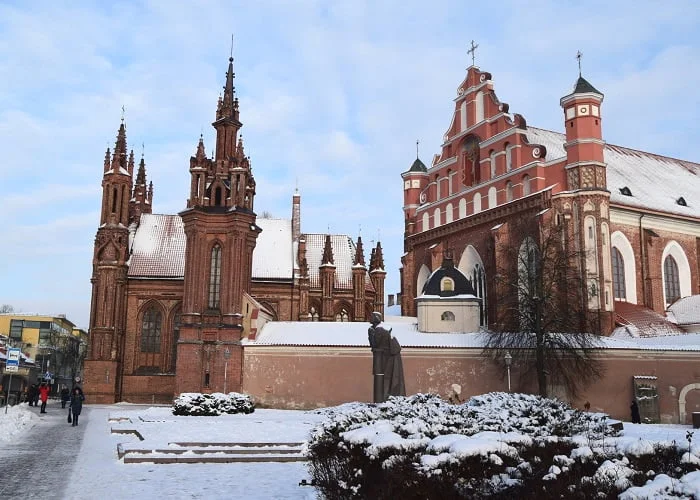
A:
[686, 311]
[641, 321]
[343, 257]
[158, 249]
[656, 182]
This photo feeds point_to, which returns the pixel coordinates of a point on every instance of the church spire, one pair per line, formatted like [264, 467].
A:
[227, 123]
[359, 253]
[201, 153]
[131, 163]
[327, 252]
[141, 175]
[119, 157]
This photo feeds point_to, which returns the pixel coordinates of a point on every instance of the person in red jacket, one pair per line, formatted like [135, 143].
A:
[44, 391]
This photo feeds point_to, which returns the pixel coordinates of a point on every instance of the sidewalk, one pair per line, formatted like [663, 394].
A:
[40, 465]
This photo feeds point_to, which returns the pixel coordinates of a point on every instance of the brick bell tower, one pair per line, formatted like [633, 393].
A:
[221, 232]
[102, 370]
[584, 206]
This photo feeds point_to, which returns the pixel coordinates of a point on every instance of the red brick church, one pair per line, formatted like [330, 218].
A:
[174, 296]
[636, 215]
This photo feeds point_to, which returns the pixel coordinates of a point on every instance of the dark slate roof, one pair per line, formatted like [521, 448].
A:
[448, 269]
[583, 86]
[418, 166]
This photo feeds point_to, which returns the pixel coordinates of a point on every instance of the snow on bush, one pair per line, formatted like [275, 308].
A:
[195, 403]
[495, 445]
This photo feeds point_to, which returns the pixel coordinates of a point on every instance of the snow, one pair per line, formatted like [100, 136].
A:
[274, 255]
[686, 311]
[98, 457]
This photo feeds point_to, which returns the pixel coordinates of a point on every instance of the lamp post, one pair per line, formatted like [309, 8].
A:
[508, 359]
[227, 355]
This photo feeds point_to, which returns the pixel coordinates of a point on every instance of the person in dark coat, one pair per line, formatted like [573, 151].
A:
[635, 413]
[31, 395]
[65, 396]
[76, 403]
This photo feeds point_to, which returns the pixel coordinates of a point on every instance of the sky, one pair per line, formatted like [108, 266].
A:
[333, 97]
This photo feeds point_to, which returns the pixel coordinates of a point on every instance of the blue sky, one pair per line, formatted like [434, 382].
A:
[333, 97]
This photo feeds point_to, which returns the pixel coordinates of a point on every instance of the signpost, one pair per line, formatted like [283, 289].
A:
[11, 366]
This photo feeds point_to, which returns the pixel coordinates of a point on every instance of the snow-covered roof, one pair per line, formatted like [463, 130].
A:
[274, 252]
[656, 182]
[686, 311]
[354, 334]
[158, 249]
[343, 257]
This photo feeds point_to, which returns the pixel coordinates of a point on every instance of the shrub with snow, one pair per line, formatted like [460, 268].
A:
[195, 403]
[497, 445]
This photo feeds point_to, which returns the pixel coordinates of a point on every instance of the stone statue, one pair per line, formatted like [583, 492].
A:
[387, 367]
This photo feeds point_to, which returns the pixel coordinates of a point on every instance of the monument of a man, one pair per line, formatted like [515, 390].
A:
[387, 367]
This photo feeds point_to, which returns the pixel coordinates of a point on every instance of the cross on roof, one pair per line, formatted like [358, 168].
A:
[579, 55]
[417, 142]
[472, 51]
[123, 111]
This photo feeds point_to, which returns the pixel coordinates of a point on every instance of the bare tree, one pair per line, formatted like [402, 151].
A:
[543, 318]
[6, 308]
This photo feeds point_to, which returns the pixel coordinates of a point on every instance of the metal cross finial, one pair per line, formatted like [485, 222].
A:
[123, 111]
[359, 231]
[231, 45]
[417, 142]
[143, 149]
[472, 52]
[579, 55]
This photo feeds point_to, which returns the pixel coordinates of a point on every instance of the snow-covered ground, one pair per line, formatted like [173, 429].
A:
[99, 473]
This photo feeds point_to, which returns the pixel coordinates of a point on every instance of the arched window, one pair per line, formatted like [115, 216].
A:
[477, 203]
[509, 158]
[618, 272]
[447, 285]
[479, 107]
[342, 316]
[436, 217]
[217, 197]
[526, 185]
[447, 316]
[426, 221]
[672, 284]
[492, 158]
[509, 191]
[215, 277]
[314, 314]
[449, 213]
[462, 208]
[493, 200]
[150, 330]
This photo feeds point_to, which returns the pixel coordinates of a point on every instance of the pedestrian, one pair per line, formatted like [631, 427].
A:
[65, 396]
[31, 394]
[76, 404]
[36, 395]
[635, 413]
[44, 390]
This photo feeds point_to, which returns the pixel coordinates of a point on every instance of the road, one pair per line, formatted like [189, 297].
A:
[41, 464]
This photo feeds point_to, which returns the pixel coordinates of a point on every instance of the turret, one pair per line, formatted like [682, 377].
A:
[414, 182]
[116, 184]
[143, 195]
[327, 272]
[359, 271]
[377, 274]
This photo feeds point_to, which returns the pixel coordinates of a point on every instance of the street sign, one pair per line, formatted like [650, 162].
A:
[12, 362]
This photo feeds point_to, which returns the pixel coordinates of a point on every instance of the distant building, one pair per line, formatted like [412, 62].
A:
[52, 346]
[174, 295]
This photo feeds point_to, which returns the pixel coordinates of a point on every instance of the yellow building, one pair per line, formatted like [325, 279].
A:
[55, 345]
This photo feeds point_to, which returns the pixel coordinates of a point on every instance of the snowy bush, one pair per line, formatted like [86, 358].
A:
[195, 403]
[497, 445]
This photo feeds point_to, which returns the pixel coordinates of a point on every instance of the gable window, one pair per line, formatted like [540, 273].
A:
[526, 185]
[150, 330]
[447, 316]
[492, 158]
[447, 285]
[618, 271]
[672, 284]
[626, 191]
[509, 191]
[509, 158]
[215, 277]
[681, 201]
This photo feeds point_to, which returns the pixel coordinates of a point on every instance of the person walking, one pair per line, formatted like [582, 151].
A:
[634, 408]
[31, 394]
[65, 396]
[44, 390]
[76, 404]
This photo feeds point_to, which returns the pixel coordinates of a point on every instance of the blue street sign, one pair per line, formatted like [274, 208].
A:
[12, 362]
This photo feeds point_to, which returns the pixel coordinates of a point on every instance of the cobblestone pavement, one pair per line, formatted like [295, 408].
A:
[40, 465]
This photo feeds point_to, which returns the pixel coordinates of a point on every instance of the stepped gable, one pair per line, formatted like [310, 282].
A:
[655, 182]
[640, 321]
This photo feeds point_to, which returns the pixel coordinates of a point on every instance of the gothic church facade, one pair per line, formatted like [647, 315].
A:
[175, 297]
[634, 215]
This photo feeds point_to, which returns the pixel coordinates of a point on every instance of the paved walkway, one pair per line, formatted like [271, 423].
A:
[40, 465]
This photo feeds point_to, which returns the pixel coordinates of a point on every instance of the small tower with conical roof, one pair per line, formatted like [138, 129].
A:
[377, 274]
[415, 181]
[143, 195]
